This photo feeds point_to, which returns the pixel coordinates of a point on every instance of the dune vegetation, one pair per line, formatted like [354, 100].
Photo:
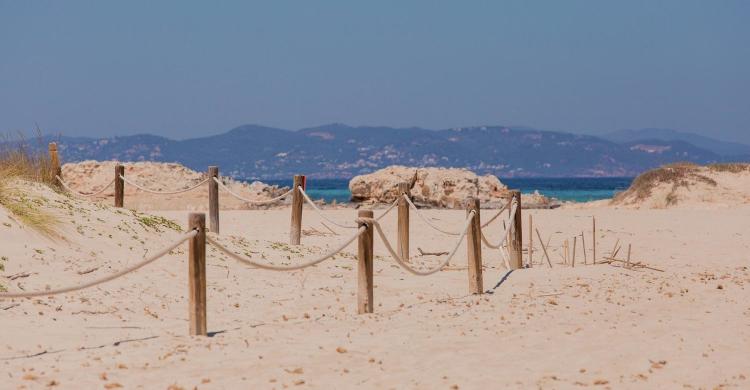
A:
[21, 166]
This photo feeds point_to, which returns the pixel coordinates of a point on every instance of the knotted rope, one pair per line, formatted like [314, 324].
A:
[105, 279]
[248, 261]
[265, 201]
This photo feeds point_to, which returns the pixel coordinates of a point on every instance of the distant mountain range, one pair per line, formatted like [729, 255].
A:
[341, 151]
[722, 148]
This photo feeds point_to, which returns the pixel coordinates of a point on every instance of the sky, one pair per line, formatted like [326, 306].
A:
[186, 68]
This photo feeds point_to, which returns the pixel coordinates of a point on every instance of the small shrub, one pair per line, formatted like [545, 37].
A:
[730, 167]
[157, 222]
[19, 163]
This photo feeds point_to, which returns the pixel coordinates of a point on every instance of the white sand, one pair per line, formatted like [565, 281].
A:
[589, 326]
[89, 177]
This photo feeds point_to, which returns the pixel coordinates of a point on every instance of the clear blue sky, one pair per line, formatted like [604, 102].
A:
[182, 69]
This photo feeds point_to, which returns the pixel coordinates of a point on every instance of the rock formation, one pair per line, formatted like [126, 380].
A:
[435, 187]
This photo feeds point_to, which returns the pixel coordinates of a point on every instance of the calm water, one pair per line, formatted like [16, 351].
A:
[566, 189]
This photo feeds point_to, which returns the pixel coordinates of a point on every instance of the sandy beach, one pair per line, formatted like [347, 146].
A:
[375, 195]
[596, 326]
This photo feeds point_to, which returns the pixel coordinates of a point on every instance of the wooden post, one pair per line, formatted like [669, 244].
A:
[213, 199]
[575, 240]
[403, 221]
[119, 185]
[54, 160]
[593, 236]
[295, 232]
[197, 275]
[474, 248]
[365, 298]
[531, 241]
[515, 244]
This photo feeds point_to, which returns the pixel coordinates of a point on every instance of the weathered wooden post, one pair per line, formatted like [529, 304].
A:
[365, 266]
[515, 245]
[295, 231]
[474, 247]
[119, 185]
[403, 221]
[213, 199]
[54, 160]
[197, 275]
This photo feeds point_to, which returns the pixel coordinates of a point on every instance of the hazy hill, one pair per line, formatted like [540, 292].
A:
[338, 150]
[723, 148]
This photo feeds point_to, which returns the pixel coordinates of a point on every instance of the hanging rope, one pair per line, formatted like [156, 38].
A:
[85, 195]
[105, 279]
[248, 261]
[430, 224]
[265, 201]
[505, 207]
[320, 212]
[163, 192]
[508, 228]
[404, 264]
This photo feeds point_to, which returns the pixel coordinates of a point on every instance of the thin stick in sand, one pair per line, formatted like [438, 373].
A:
[573, 261]
[423, 253]
[616, 249]
[583, 244]
[544, 248]
[593, 234]
[628, 261]
[637, 264]
[329, 229]
[531, 241]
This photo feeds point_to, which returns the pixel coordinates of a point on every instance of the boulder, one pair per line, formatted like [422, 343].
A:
[435, 187]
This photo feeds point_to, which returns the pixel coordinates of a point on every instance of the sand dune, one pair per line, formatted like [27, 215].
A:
[686, 185]
[590, 326]
[91, 176]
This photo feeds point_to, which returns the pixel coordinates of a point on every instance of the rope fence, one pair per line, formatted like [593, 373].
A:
[96, 282]
[160, 192]
[271, 267]
[83, 194]
[251, 201]
[403, 263]
[365, 223]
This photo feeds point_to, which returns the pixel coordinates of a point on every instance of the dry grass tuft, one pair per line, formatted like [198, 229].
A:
[20, 160]
[18, 164]
[730, 167]
[679, 174]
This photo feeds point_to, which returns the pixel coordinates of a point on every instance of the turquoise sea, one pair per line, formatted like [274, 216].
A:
[566, 189]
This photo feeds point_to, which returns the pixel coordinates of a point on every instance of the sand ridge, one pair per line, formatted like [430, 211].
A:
[91, 176]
